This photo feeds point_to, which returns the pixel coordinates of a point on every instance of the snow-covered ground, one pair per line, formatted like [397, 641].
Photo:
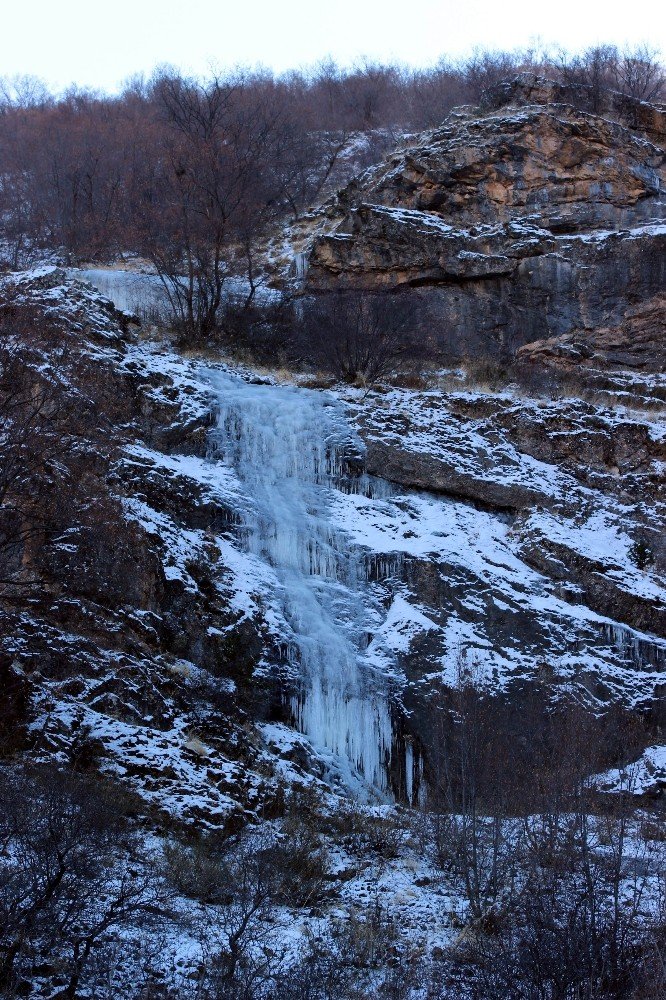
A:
[321, 555]
[143, 294]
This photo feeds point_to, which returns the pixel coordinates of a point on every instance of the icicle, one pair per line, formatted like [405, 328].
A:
[639, 651]
[409, 771]
[423, 792]
[300, 266]
[288, 448]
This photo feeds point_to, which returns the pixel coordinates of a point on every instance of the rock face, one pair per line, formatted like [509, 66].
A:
[528, 88]
[519, 537]
[566, 474]
[524, 221]
[637, 342]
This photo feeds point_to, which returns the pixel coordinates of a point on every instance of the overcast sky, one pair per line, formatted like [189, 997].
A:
[100, 45]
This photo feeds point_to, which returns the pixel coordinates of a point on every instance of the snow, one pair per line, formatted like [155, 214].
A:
[413, 217]
[651, 229]
[644, 776]
[33, 274]
[402, 624]
[415, 422]
[144, 294]
[179, 545]
[220, 484]
[599, 538]
[160, 765]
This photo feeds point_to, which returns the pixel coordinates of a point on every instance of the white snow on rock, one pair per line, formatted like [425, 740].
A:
[645, 776]
[317, 556]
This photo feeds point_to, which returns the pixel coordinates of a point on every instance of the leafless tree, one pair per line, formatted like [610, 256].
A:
[67, 877]
[359, 337]
[640, 74]
[594, 71]
[474, 836]
[581, 920]
[231, 154]
[484, 70]
[206, 191]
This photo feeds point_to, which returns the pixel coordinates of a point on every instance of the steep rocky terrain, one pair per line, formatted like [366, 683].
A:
[527, 221]
[518, 532]
[516, 537]
[248, 601]
[128, 639]
[529, 229]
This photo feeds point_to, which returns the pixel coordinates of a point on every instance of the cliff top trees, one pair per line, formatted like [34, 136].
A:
[205, 190]
[189, 172]
[635, 72]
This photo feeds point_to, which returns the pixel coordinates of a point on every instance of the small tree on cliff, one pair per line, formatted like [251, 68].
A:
[640, 74]
[35, 436]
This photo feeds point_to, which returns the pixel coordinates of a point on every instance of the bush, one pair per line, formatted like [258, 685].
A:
[14, 707]
[360, 338]
[69, 879]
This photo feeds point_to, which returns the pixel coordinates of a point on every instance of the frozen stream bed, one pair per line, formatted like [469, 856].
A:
[288, 448]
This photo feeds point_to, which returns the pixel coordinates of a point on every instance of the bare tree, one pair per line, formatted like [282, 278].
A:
[66, 876]
[484, 70]
[582, 920]
[207, 190]
[474, 836]
[640, 74]
[34, 443]
[359, 337]
[594, 71]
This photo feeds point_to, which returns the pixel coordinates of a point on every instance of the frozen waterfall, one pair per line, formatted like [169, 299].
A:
[287, 447]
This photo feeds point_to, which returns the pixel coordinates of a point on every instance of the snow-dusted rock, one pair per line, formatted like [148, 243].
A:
[524, 221]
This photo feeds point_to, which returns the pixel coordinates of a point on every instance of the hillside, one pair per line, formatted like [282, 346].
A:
[351, 682]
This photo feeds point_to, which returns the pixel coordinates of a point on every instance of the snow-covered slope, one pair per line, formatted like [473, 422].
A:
[310, 566]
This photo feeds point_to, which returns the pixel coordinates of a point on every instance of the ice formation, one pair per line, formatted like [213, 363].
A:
[288, 448]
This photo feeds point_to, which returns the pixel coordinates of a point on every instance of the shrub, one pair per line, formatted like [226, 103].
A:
[360, 338]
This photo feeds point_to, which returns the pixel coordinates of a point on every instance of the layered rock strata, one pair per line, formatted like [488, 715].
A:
[524, 220]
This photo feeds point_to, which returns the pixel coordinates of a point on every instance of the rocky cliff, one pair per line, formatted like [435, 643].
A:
[519, 537]
[255, 624]
[519, 532]
[524, 220]
[121, 627]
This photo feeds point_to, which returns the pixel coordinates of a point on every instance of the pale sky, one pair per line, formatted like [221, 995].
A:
[100, 44]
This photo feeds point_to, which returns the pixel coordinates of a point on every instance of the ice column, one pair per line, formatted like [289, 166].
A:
[286, 446]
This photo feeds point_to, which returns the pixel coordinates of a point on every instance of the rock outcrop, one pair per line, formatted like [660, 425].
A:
[529, 88]
[525, 220]
[580, 484]
[636, 342]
